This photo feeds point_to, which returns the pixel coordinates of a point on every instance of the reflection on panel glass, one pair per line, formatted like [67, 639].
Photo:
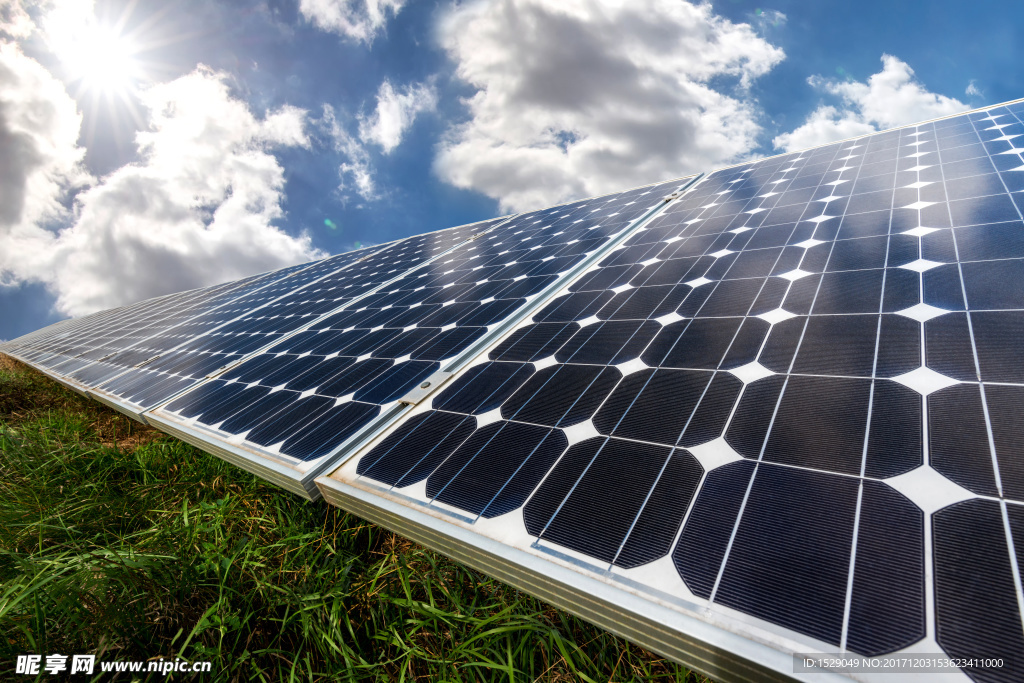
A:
[308, 394]
[775, 384]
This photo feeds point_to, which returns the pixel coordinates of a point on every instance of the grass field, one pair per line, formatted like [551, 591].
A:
[118, 541]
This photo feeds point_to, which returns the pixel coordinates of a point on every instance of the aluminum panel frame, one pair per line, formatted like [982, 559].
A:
[702, 646]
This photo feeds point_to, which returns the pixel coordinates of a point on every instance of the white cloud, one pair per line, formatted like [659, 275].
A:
[14, 20]
[197, 208]
[973, 90]
[395, 112]
[41, 162]
[359, 20]
[824, 125]
[767, 19]
[384, 127]
[582, 97]
[356, 172]
[890, 98]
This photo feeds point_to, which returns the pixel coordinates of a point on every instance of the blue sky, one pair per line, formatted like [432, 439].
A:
[151, 147]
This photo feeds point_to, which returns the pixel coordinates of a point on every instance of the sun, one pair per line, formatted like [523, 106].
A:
[105, 61]
[99, 58]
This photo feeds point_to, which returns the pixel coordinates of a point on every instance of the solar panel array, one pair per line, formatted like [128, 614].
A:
[105, 341]
[187, 353]
[305, 396]
[136, 362]
[777, 414]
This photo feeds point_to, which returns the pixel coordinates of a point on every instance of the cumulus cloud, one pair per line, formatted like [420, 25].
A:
[14, 20]
[579, 97]
[359, 20]
[395, 112]
[41, 162]
[890, 98]
[973, 90]
[356, 171]
[383, 127]
[197, 208]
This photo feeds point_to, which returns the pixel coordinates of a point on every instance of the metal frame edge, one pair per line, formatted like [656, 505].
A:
[261, 463]
[493, 337]
[699, 645]
[268, 470]
[124, 407]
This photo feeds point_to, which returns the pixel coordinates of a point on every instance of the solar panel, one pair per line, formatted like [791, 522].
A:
[160, 340]
[291, 410]
[759, 417]
[771, 414]
[152, 357]
[57, 346]
[94, 346]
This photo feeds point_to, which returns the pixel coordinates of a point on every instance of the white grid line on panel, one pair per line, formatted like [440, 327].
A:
[1014, 565]
[871, 398]
[631, 229]
[929, 560]
[778, 403]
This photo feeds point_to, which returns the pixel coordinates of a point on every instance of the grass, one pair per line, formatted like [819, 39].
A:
[119, 541]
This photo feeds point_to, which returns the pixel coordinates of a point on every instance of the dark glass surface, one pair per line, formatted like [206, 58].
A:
[796, 529]
[975, 597]
[887, 610]
[702, 545]
[413, 451]
[625, 495]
